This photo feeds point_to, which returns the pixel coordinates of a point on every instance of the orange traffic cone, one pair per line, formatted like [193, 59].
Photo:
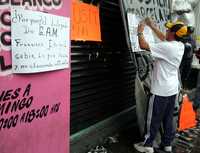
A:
[187, 116]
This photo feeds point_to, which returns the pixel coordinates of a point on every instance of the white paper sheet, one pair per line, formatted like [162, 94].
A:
[40, 41]
[133, 22]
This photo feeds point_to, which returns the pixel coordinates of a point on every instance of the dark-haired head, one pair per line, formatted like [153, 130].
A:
[176, 31]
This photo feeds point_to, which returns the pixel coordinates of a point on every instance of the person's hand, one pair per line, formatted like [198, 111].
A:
[141, 26]
[149, 22]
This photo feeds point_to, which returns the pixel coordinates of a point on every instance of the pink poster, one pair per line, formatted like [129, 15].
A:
[34, 108]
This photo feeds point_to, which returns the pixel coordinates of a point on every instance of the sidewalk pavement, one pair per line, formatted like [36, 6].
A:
[185, 142]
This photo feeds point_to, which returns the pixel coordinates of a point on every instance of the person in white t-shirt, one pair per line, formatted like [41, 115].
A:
[164, 82]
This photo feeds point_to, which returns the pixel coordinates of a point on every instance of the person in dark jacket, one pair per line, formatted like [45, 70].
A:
[196, 102]
[186, 63]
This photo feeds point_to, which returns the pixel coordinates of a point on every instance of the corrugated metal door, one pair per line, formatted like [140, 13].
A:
[103, 74]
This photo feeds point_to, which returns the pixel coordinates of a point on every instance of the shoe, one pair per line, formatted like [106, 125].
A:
[167, 149]
[144, 149]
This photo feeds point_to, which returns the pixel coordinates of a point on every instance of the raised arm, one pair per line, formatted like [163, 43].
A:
[142, 42]
[155, 29]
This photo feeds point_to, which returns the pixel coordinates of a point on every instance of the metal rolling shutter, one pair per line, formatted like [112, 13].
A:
[102, 79]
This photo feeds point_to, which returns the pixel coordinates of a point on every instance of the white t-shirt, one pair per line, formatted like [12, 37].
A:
[168, 56]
